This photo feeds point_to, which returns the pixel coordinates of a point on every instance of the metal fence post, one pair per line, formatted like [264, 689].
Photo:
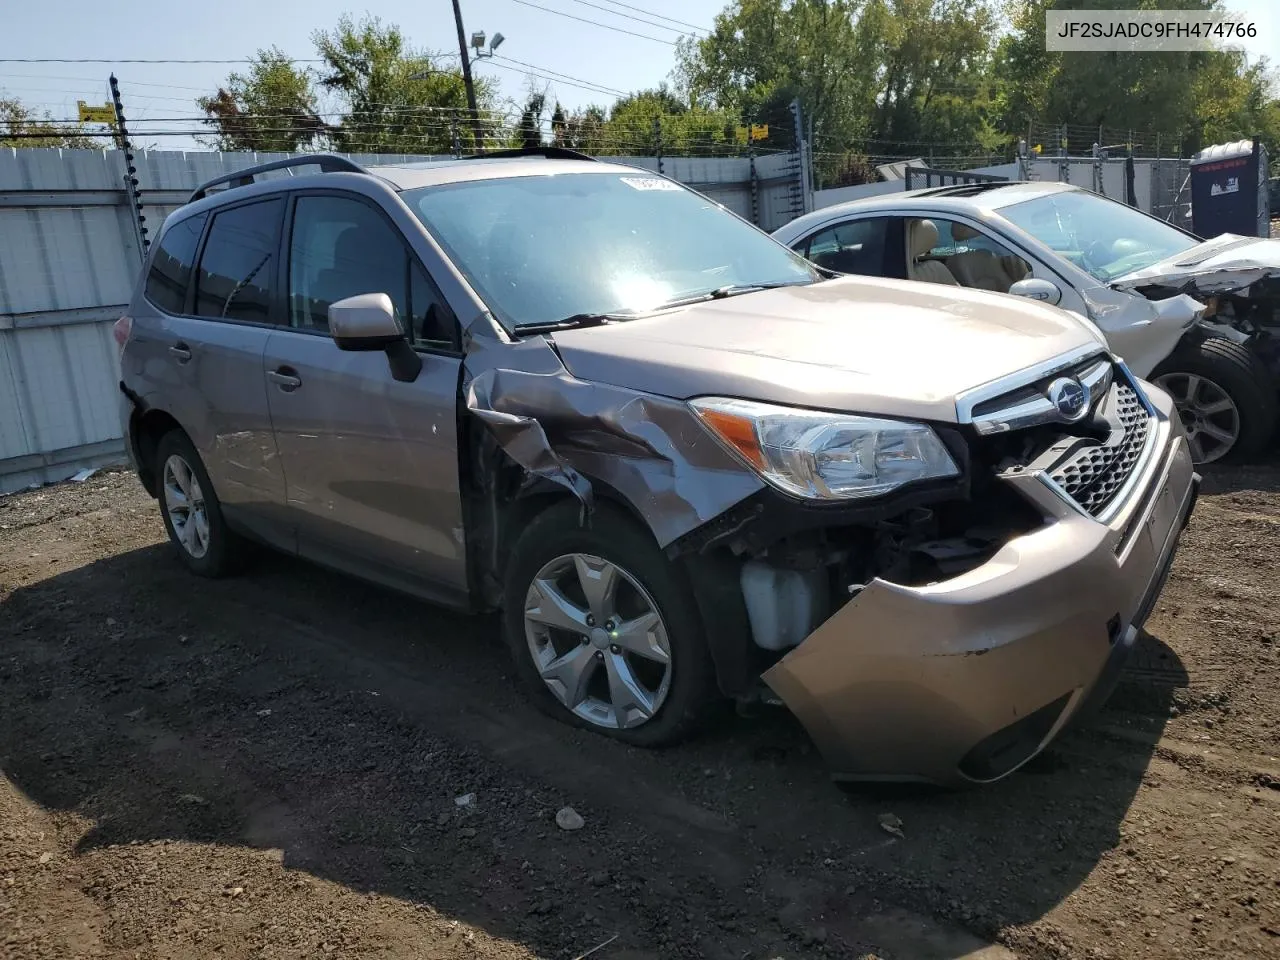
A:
[1064, 164]
[754, 179]
[657, 141]
[130, 180]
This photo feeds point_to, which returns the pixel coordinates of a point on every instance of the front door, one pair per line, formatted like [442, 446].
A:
[370, 463]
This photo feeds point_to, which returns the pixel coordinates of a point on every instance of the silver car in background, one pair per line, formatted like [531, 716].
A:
[1199, 318]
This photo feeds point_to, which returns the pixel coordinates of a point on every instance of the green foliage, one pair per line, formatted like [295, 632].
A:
[1189, 100]
[387, 97]
[20, 126]
[638, 122]
[271, 106]
[395, 100]
[875, 76]
[951, 81]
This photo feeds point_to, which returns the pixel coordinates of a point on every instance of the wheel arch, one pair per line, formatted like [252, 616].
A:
[713, 578]
[146, 427]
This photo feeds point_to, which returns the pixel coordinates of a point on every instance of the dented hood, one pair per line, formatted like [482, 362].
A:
[855, 344]
[1222, 265]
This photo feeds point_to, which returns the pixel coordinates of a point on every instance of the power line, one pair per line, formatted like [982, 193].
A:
[660, 16]
[540, 73]
[566, 76]
[618, 13]
[117, 60]
[594, 23]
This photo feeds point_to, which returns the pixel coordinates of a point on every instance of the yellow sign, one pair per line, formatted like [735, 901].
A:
[103, 114]
[757, 131]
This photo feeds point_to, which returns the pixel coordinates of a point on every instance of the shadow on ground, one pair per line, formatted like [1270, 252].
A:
[296, 710]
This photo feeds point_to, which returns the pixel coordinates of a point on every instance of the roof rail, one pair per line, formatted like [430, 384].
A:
[551, 153]
[327, 162]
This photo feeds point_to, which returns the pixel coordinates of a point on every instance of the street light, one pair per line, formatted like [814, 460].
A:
[466, 69]
[477, 41]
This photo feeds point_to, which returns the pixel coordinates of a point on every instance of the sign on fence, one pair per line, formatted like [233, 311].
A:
[91, 114]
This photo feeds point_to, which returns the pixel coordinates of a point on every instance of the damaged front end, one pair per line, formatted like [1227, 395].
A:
[943, 631]
[1236, 282]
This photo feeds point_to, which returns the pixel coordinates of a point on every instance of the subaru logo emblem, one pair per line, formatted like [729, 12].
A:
[1069, 397]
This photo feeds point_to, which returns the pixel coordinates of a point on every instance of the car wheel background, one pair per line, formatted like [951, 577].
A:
[191, 511]
[1221, 388]
[577, 672]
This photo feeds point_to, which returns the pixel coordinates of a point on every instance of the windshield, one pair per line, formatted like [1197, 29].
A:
[1104, 238]
[540, 249]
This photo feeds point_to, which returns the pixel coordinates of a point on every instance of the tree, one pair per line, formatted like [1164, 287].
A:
[877, 76]
[272, 106]
[20, 126]
[395, 100]
[638, 122]
[529, 131]
[582, 130]
[383, 97]
[1189, 99]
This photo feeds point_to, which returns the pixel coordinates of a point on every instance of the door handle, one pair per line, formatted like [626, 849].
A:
[180, 352]
[286, 378]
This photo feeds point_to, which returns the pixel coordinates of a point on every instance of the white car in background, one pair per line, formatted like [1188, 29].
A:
[1197, 317]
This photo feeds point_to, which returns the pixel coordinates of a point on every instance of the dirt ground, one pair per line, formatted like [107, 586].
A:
[268, 767]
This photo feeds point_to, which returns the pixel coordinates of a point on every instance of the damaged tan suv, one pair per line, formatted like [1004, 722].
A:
[679, 458]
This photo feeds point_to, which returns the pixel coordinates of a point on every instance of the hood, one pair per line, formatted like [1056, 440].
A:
[1221, 265]
[854, 344]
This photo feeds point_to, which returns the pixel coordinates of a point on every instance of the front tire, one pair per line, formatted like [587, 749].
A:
[192, 514]
[604, 633]
[1225, 395]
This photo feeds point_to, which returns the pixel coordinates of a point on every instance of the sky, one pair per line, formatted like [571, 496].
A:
[583, 62]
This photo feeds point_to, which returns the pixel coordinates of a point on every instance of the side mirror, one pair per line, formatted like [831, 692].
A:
[368, 321]
[1034, 288]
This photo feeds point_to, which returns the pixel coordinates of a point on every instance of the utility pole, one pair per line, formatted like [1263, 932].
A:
[466, 79]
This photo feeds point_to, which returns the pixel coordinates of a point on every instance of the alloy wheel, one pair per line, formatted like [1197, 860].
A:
[1208, 413]
[184, 502]
[598, 641]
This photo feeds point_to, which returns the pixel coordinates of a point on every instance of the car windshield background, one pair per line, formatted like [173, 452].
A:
[1104, 238]
[539, 249]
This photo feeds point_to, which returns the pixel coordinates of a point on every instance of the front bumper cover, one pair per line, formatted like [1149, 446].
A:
[964, 681]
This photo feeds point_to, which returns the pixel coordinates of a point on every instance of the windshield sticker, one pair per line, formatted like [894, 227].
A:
[649, 183]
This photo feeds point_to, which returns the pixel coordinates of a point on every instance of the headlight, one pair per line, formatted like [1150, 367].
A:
[826, 456]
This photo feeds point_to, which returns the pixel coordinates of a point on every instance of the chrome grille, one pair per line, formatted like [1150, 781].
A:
[1094, 475]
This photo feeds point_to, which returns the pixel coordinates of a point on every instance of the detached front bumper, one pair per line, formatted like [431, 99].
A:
[964, 681]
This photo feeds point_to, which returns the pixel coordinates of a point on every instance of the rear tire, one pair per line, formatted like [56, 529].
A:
[191, 511]
[1199, 376]
[590, 675]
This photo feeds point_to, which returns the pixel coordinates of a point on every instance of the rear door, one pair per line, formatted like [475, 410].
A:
[201, 351]
[370, 463]
[870, 246]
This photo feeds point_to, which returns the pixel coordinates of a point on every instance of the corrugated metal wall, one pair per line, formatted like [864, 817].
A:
[69, 257]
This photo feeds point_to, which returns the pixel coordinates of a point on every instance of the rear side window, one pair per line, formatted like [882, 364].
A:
[238, 264]
[171, 268]
[854, 247]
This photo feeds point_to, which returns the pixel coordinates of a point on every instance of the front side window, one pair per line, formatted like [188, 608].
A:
[1104, 238]
[974, 258]
[341, 247]
[542, 249]
[171, 267]
[236, 269]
